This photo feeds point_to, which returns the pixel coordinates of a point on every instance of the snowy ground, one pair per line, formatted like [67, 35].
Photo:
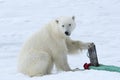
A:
[97, 21]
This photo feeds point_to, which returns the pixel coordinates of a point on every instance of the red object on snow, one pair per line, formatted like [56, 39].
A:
[87, 65]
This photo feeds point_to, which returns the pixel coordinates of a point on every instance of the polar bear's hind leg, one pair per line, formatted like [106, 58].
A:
[42, 64]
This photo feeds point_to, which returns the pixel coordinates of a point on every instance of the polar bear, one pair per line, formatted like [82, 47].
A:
[49, 46]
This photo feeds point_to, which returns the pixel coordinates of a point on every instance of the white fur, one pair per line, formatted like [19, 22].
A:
[49, 46]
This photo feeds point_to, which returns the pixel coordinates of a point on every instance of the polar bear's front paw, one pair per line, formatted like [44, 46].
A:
[76, 69]
[89, 45]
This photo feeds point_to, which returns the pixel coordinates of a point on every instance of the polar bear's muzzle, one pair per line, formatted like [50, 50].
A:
[67, 33]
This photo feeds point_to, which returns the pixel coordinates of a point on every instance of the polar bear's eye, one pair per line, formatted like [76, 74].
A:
[69, 24]
[62, 25]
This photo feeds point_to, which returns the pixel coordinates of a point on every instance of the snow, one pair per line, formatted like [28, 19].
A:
[97, 21]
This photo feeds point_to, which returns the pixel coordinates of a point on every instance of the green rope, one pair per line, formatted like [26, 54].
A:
[106, 68]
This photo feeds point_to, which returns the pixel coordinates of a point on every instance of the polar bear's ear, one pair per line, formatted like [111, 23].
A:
[73, 17]
[56, 21]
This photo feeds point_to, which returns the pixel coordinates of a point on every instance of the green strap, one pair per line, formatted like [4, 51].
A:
[106, 68]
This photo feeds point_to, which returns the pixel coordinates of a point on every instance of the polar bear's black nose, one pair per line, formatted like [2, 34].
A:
[67, 33]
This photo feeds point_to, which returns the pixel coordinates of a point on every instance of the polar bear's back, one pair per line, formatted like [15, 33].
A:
[35, 49]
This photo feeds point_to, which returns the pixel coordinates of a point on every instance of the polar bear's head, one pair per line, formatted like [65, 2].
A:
[66, 25]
